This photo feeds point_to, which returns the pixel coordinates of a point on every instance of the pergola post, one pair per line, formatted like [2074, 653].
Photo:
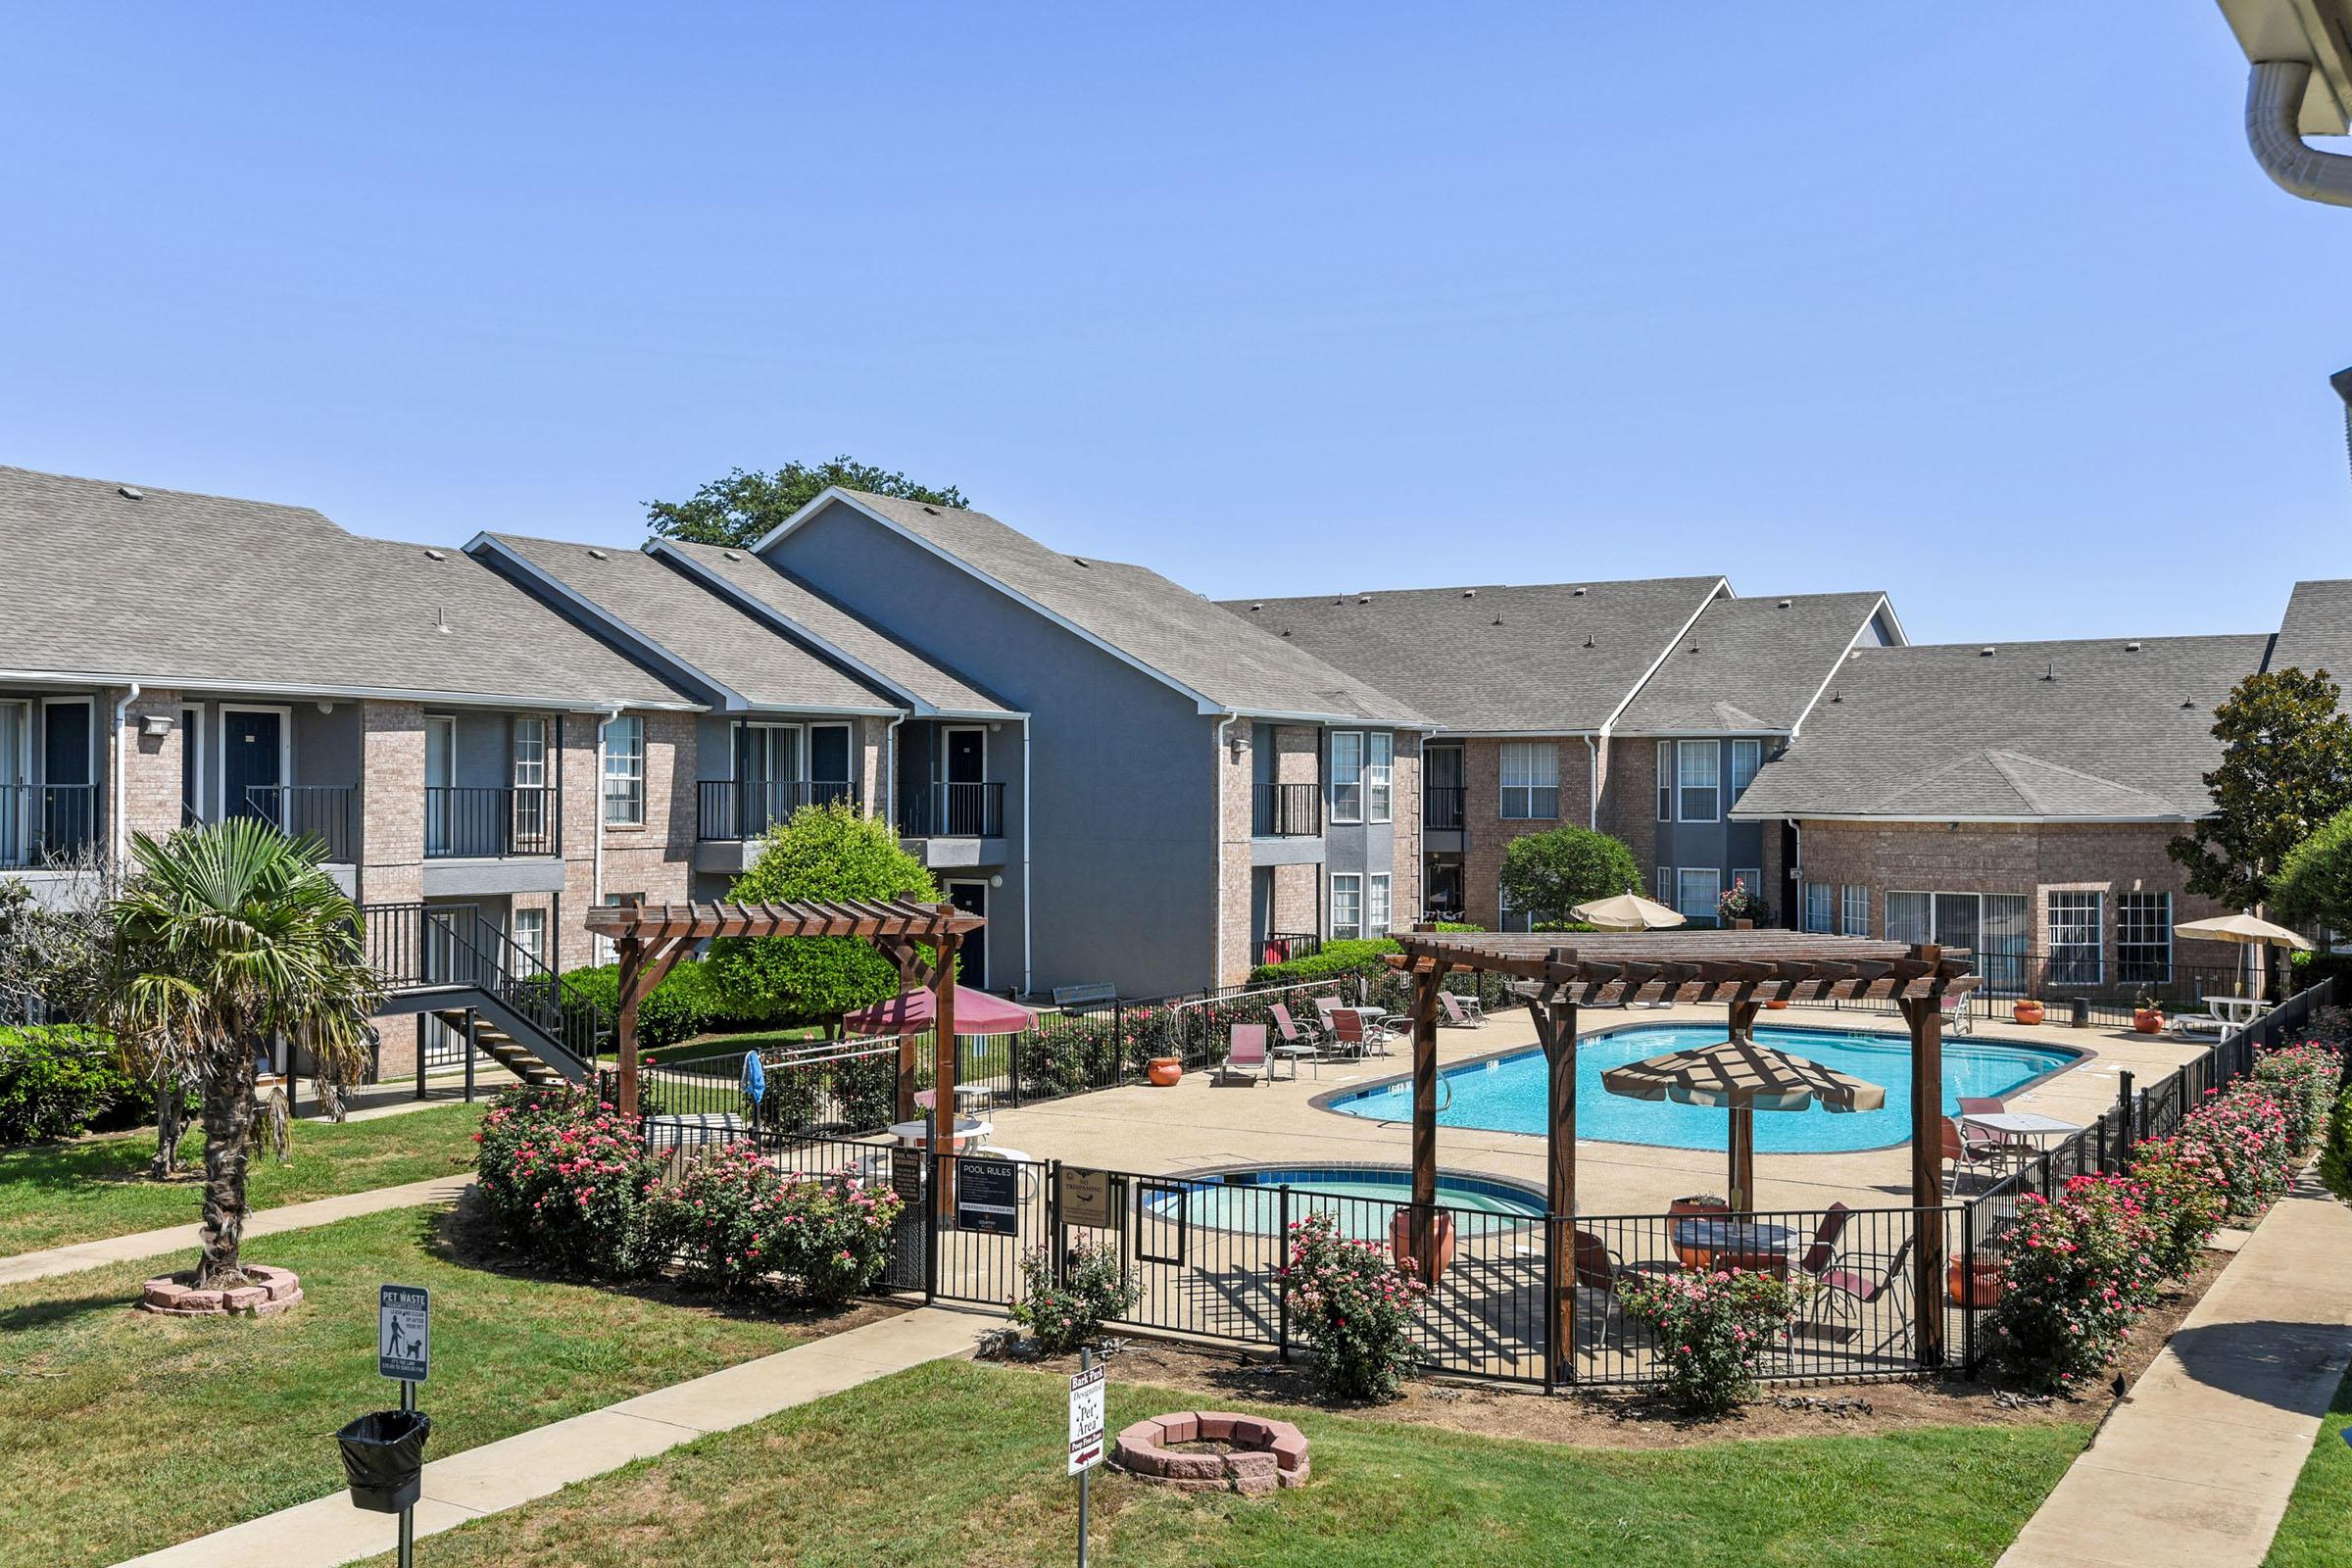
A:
[1743, 1176]
[632, 967]
[1556, 1027]
[1426, 979]
[943, 1069]
[1925, 1016]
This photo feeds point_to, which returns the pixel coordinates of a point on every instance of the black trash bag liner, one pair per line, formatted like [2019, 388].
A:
[383, 1458]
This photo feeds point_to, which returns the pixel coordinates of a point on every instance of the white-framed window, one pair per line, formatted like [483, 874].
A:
[1531, 781]
[1347, 906]
[1665, 783]
[1746, 758]
[1910, 917]
[1698, 781]
[1380, 775]
[1347, 776]
[607, 951]
[1853, 910]
[1818, 907]
[1376, 905]
[530, 935]
[2143, 938]
[2077, 923]
[1696, 888]
[624, 771]
[1663, 883]
[530, 752]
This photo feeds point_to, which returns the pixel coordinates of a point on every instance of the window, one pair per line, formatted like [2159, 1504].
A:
[1909, 916]
[1666, 886]
[1507, 918]
[2075, 919]
[1665, 783]
[1853, 910]
[1697, 777]
[1376, 906]
[624, 771]
[607, 951]
[1531, 781]
[1380, 773]
[1746, 758]
[1697, 887]
[2005, 943]
[1347, 776]
[530, 752]
[1347, 906]
[2143, 938]
[530, 935]
[1816, 907]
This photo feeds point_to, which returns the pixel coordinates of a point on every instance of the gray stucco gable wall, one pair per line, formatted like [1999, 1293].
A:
[1122, 812]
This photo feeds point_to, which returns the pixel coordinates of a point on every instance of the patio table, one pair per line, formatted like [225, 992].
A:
[916, 1134]
[2021, 1124]
[1704, 1244]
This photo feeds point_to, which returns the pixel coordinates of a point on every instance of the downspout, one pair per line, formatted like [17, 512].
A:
[1026, 986]
[1216, 963]
[1796, 874]
[1592, 751]
[890, 783]
[595, 875]
[2274, 130]
[121, 836]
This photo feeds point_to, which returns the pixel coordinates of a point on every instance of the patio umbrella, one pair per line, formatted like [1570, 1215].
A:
[1743, 1077]
[1627, 911]
[2246, 930]
[910, 1012]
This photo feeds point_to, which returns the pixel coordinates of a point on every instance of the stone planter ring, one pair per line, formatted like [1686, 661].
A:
[1263, 1454]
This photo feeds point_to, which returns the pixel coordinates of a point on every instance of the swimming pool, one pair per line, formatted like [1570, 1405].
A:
[1360, 1196]
[1507, 1093]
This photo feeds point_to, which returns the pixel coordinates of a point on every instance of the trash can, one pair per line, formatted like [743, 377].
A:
[2079, 1008]
[383, 1458]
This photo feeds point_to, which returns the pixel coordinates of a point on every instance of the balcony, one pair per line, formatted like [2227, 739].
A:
[329, 813]
[464, 823]
[957, 811]
[1441, 807]
[42, 823]
[1287, 810]
[727, 810]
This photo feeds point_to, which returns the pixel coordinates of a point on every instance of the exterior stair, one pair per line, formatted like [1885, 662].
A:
[448, 961]
[505, 1050]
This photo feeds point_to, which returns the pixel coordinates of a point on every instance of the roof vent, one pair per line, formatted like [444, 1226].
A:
[1469, 593]
[434, 555]
[2052, 673]
[1588, 641]
[2189, 701]
[131, 492]
[1784, 603]
[1496, 622]
[934, 510]
[598, 555]
[1838, 696]
[1576, 593]
[2131, 648]
[441, 620]
[731, 555]
[1081, 560]
[1254, 608]
[1363, 599]
[1985, 651]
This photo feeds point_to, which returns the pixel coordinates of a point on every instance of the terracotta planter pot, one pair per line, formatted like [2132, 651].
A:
[2147, 1020]
[1777, 1004]
[2028, 1012]
[1165, 1071]
[1981, 1290]
[1400, 1239]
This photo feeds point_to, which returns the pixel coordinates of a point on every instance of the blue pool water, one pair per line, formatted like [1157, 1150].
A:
[1508, 1093]
[1247, 1200]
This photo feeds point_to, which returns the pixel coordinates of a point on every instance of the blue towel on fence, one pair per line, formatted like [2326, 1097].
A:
[755, 1078]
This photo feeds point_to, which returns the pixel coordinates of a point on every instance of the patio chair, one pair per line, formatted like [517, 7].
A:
[1294, 1045]
[1987, 1105]
[1965, 1153]
[1846, 1292]
[2207, 1025]
[1245, 1061]
[1464, 1012]
[1350, 1039]
[1822, 1250]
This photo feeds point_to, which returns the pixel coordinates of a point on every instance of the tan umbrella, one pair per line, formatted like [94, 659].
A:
[2246, 930]
[1744, 1077]
[1627, 911]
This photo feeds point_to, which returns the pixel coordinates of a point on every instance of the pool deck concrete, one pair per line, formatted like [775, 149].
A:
[1192, 1126]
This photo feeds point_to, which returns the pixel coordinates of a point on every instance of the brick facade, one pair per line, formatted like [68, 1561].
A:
[151, 765]
[1405, 860]
[1629, 799]
[1489, 835]
[1236, 798]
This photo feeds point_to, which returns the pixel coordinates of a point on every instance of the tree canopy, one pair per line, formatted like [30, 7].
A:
[738, 510]
[2287, 768]
[1547, 874]
[819, 852]
[2314, 882]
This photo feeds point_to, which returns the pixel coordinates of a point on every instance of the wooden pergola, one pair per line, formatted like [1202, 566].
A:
[654, 937]
[1743, 969]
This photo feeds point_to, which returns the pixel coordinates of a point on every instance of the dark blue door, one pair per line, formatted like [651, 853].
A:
[252, 766]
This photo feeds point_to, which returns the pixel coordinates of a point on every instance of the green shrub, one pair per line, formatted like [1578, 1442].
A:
[1337, 961]
[686, 1004]
[716, 1220]
[2077, 1270]
[570, 1183]
[2335, 1156]
[1354, 1305]
[59, 1081]
[1712, 1332]
[1092, 1292]
[1550, 873]
[2241, 1136]
[2304, 1080]
[830, 1236]
[2183, 1200]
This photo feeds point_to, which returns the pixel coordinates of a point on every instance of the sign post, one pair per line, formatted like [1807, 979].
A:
[1086, 1392]
[404, 1349]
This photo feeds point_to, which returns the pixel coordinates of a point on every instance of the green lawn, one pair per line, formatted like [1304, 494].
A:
[957, 1463]
[2317, 1527]
[128, 1431]
[93, 1188]
[703, 1045]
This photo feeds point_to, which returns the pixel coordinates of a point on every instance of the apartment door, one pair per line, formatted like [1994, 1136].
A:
[965, 765]
[440, 777]
[1262, 911]
[253, 762]
[829, 762]
[972, 899]
[767, 763]
[191, 766]
[16, 782]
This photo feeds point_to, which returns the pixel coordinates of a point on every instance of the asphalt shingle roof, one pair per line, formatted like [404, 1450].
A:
[1550, 659]
[1160, 623]
[1748, 664]
[2098, 728]
[2317, 631]
[924, 678]
[176, 587]
[696, 625]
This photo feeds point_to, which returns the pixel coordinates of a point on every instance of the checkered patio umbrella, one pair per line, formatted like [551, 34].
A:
[1745, 1078]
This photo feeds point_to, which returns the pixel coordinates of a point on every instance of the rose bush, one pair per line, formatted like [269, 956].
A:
[2304, 1080]
[2081, 1267]
[1355, 1308]
[2240, 1135]
[1711, 1330]
[571, 1183]
[831, 1236]
[717, 1219]
[2181, 1190]
[1067, 1313]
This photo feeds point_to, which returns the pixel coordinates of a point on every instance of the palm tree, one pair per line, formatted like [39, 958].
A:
[232, 938]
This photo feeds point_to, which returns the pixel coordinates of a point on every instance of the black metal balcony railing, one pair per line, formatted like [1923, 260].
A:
[491, 823]
[1288, 811]
[326, 811]
[44, 822]
[1442, 805]
[1281, 947]
[957, 811]
[730, 809]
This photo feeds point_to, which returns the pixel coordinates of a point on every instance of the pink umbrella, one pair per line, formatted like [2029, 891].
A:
[910, 1012]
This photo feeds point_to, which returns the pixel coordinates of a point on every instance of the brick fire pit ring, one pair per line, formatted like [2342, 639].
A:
[273, 1291]
[1264, 1454]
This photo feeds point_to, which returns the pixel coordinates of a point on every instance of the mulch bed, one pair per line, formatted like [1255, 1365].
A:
[1620, 1419]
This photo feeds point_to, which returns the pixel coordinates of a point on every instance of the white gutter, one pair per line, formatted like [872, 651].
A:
[389, 693]
[890, 764]
[2275, 132]
[1608, 726]
[596, 875]
[122, 824]
[1593, 757]
[1216, 963]
[1026, 987]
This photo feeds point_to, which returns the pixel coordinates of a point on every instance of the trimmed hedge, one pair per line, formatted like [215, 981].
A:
[686, 1004]
[59, 1081]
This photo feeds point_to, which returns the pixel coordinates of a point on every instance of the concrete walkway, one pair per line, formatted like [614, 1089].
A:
[262, 1222]
[514, 1470]
[2195, 1467]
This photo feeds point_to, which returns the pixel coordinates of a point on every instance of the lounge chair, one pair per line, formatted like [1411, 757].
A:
[1464, 1012]
[1294, 1045]
[2206, 1025]
[1246, 1059]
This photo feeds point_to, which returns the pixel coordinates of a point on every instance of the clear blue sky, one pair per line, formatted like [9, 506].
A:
[1984, 305]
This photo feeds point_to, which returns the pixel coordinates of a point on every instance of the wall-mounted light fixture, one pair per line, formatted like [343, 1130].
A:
[156, 725]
